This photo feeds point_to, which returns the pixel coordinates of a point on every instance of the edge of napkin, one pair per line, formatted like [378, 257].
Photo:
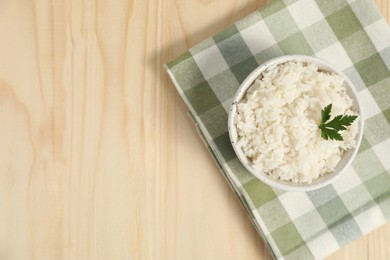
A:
[230, 182]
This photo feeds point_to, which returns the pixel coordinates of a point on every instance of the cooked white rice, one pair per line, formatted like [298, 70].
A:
[277, 122]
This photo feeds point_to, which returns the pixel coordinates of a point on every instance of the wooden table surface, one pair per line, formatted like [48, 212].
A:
[98, 158]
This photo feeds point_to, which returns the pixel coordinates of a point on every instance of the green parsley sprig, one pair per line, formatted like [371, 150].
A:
[330, 130]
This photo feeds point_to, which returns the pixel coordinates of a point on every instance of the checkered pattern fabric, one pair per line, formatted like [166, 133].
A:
[352, 35]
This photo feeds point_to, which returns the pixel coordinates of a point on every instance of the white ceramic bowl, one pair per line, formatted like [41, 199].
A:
[348, 155]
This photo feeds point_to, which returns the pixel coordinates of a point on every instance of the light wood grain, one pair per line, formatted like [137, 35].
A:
[98, 158]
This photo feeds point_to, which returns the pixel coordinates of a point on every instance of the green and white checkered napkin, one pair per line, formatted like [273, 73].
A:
[353, 36]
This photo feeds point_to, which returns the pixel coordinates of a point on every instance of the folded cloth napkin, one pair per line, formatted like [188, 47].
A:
[354, 37]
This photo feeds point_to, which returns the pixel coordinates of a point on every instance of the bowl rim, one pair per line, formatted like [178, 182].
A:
[285, 185]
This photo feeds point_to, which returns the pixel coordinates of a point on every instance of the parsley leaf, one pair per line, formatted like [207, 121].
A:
[325, 113]
[331, 129]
